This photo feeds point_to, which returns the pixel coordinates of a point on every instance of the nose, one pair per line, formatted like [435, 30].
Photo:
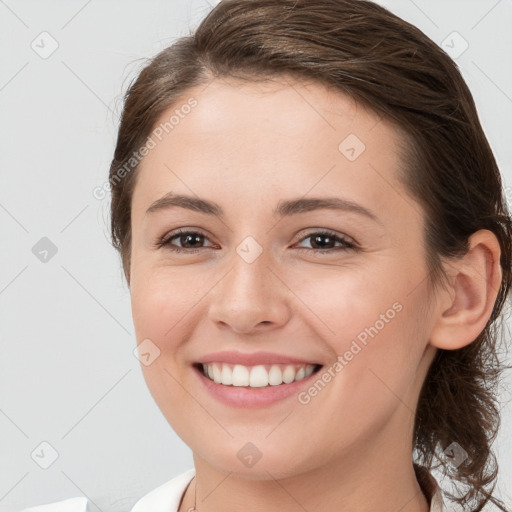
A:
[250, 297]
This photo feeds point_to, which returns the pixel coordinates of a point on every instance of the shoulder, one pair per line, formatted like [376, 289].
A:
[164, 498]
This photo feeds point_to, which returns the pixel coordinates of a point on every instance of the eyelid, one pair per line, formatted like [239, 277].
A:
[347, 243]
[163, 242]
[327, 232]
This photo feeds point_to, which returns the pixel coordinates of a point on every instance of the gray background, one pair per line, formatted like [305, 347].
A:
[68, 375]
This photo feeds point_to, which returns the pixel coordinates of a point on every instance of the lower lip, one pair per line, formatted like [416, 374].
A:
[242, 396]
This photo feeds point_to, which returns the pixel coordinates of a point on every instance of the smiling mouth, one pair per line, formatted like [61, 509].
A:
[257, 376]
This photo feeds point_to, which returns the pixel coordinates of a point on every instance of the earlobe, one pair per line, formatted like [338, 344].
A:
[465, 307]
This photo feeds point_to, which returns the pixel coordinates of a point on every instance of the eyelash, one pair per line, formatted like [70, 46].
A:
[164, 242]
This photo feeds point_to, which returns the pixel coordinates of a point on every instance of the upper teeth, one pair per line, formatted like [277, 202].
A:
[256, 376]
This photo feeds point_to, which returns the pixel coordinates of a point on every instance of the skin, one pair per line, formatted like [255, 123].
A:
[247, 146]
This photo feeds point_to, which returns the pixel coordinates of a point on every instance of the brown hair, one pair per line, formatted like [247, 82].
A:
[368, 53]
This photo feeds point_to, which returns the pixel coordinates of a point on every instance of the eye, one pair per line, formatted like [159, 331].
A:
[185, 237]
[324, 241]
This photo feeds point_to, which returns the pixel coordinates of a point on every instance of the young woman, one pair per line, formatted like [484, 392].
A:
[312, 226]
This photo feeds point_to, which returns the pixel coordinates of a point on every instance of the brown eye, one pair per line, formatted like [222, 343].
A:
[324, 242]
[189, 241]
[188, 238]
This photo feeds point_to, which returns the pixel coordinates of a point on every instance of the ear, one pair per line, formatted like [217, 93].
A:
[465, 306]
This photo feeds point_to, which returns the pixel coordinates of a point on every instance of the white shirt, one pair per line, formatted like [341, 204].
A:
[167, 497]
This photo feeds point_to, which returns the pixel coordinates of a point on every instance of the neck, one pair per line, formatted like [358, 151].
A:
[372, 476]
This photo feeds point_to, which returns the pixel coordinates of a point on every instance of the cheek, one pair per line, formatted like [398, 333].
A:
[162, 309]
[343, 302]
[370, 380]
[379, 357]
[373, 325]
[162, 301]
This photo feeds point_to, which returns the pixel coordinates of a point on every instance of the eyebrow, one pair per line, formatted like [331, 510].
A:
[285, 208]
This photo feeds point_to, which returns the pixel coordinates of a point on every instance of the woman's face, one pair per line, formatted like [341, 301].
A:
[275, 158]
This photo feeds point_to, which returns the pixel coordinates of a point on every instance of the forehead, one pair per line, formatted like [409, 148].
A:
[282, 137]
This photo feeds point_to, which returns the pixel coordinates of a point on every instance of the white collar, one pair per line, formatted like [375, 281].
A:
[430, 489]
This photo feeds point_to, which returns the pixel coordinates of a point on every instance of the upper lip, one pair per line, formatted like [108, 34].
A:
[252, 359]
